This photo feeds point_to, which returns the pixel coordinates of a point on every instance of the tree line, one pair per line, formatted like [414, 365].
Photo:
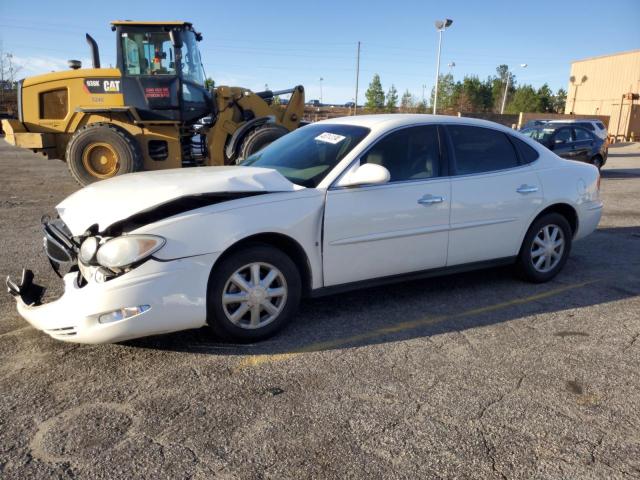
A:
[470, 95]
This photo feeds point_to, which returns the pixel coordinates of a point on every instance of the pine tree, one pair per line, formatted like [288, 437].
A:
[374, 94]
[407, 102]
[392, 99]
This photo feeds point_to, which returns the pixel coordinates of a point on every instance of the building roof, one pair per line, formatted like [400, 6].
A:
[627, 52]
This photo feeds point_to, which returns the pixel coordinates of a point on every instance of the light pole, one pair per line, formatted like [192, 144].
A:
[321, 90]
[506, 88]
[441, 25]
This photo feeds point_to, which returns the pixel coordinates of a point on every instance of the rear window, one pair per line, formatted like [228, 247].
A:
[527, 153]
[601, 125]
[587, 125]
[479, 150]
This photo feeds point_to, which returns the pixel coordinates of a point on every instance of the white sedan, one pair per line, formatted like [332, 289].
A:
[335, 205]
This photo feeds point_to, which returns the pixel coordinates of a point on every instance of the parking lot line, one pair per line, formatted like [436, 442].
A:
[257, 360]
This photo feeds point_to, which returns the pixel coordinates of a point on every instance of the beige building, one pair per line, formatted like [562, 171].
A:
[599, 86]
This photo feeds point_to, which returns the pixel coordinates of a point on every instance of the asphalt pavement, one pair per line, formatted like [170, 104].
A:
[476, 375]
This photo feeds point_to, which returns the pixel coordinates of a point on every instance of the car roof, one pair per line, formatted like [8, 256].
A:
[395, 120]
[585, 120]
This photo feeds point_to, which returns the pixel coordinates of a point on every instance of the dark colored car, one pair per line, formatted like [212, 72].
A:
[571, 142]
[534, 123]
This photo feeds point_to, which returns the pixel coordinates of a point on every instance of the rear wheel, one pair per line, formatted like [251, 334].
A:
[252, 293]
[545, 248]
[99, 151]
[597, 162]
[260, 138]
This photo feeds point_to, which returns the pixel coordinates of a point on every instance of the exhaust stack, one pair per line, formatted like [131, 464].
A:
[95, 54]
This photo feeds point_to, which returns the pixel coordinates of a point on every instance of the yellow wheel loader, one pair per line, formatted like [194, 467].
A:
[145, 114]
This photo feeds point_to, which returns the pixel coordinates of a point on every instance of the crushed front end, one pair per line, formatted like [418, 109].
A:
[105, 305]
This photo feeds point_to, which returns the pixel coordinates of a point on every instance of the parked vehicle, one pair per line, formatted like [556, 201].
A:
[335, 205]
[594, 126]
[314, 103]
[534, 123]
[571, 142]
[349, 104]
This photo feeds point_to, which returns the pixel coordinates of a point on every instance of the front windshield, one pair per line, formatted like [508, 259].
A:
[308, 154]
[541, 135]
[192, 69]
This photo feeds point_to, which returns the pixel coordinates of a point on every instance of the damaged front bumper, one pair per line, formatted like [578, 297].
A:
[172, 292]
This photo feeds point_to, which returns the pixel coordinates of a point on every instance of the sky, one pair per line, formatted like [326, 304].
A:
[286, 43]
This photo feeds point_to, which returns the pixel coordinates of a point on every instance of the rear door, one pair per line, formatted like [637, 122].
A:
[494, 193]
[396, 228]
[582, 145]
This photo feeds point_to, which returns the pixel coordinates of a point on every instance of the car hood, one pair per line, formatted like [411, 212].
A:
[109, 201]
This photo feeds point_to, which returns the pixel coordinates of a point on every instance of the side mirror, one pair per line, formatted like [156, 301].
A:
[176, 38]
[367, 174]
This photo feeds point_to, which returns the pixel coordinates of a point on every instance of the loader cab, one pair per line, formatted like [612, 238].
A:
[162, 73]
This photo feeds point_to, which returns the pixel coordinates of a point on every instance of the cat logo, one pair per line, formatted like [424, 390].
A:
[101, 85]
[112, 86]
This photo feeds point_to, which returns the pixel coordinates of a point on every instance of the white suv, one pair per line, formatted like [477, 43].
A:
[595, 126]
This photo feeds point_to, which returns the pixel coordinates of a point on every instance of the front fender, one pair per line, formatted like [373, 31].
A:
[216, 228]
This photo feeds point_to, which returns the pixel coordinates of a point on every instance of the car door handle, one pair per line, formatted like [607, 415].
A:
[524, 189]
[430, 200]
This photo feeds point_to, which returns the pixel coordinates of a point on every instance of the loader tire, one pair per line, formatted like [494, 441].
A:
[259, 138]
[101, 150]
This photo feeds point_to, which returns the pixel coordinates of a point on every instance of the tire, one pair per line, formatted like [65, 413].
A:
[597, 162]
[259, 138]
[527, 258]
[101, 150]
[248, 326]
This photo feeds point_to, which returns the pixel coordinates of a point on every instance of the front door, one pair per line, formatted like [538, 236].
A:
[395, 228]
[563, 144]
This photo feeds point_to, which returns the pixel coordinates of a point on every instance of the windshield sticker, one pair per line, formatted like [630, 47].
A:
[330, 138]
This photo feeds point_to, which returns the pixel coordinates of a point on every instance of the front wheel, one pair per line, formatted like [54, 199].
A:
[252, 294]
[545, 248]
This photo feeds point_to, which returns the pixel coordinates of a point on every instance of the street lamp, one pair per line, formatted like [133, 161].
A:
[321, 79]
[441, 25]
[506, 88]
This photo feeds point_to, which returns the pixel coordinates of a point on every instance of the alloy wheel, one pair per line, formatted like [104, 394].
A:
[547, 248]
[254, 295]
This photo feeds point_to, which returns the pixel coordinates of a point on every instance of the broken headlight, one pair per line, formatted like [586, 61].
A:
[123, 251]
[88, 250]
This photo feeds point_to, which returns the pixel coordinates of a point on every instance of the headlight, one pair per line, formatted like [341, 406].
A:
[123, 251]
[88, 250]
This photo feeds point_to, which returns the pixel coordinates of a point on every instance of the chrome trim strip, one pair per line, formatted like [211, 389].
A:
[388, 235]
[481, 223]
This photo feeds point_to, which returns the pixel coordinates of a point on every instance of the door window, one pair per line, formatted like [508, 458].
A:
[479, 149]
[581, 135]
[563, 135]
[148, 53]
[409, 154]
